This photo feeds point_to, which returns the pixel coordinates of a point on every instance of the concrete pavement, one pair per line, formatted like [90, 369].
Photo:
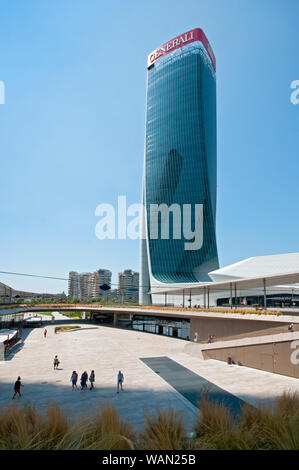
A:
[106, 350]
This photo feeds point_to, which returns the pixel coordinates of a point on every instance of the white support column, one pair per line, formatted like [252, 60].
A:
[2, 351]
[265, 294]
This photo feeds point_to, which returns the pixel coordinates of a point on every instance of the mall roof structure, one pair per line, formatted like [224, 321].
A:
[258, 266]
[252, 273]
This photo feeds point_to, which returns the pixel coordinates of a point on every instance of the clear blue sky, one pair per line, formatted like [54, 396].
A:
[72, 127]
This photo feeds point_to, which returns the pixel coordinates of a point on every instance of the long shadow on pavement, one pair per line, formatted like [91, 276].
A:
[191, 385]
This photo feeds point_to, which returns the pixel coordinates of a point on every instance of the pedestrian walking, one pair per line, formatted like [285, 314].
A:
[84, 378]
[56, 362]
[74, 378]
[45, 332]
[92, 379]
[120, 379]
[17, 387]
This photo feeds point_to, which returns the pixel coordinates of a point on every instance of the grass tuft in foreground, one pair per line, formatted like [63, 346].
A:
[267, 427]
[163, 430]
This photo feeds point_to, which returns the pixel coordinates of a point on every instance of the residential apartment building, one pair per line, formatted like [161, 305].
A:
[128, 286]
[74, 286]
[84, 286]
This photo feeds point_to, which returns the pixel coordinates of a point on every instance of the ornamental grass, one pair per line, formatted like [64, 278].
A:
[269, 427]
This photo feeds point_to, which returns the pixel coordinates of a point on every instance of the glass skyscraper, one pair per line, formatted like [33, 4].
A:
[179, 178]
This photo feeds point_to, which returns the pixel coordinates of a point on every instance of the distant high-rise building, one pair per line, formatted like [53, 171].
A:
[74, 286]
[84, 286]
[128, 286]
[180, 165]
[84, 282]
[92, 286]
[103, 277]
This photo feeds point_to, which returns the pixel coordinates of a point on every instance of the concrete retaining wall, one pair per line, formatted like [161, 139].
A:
[276, 357]
[224, 327]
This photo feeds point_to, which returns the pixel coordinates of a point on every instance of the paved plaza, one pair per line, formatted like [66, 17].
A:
[106, 350]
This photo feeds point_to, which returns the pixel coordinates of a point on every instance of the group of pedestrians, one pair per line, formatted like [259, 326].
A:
[92, 378]
[84, 379]
[74, 379]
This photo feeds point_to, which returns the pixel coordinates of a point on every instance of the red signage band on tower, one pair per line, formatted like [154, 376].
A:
[180, 41]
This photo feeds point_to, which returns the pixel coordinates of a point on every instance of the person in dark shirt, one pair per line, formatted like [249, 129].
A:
[92, 379]
[74, 378]
[84, 378]
[17, 387]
